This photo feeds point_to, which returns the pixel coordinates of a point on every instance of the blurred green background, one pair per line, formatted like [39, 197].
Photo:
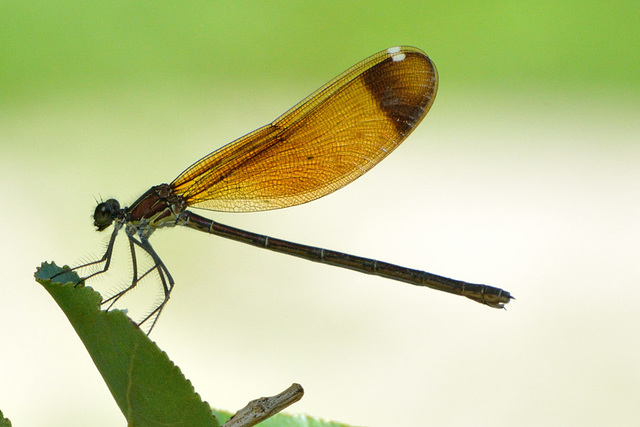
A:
[570, 46]
[524, 175]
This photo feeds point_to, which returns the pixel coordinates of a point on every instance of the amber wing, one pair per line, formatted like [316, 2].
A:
[323, 143]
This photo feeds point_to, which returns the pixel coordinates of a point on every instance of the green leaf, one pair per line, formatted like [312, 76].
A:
[149, 389]
[286, 420]
[4, 422]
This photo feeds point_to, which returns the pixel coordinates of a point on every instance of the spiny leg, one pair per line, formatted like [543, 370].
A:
[165, 278]
[158, 265]
[106, 258]
[134, 280]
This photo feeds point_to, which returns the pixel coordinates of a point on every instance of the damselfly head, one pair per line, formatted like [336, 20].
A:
[104, 214]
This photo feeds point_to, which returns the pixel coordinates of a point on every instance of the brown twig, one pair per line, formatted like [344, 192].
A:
[260, 409]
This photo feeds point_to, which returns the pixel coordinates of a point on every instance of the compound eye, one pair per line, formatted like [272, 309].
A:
[104, 214]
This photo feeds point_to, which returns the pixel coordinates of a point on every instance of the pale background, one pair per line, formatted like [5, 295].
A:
[524, 175]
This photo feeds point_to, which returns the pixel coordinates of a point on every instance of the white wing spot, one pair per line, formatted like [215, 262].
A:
[395, 54]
